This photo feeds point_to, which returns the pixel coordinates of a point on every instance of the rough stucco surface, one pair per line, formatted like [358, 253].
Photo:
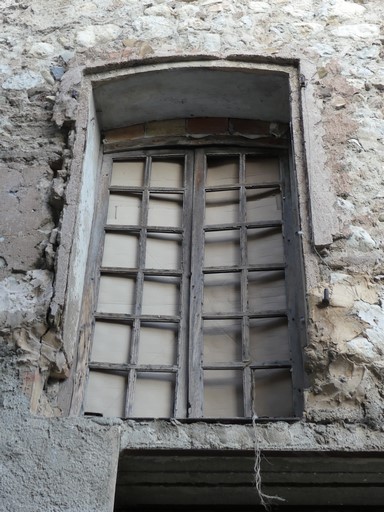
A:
[64, 465]
[341, 42]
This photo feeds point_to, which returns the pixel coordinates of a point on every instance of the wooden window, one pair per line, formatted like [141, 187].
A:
[200, 310]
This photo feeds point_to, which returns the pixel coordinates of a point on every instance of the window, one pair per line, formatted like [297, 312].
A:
[200, 310]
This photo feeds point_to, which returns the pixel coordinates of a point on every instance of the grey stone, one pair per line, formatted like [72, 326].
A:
[26, 80]
[57, 72]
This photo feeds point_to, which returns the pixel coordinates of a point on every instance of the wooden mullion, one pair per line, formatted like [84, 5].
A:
[181, 387]
[247, 377]
[197, 288]
[133, 359]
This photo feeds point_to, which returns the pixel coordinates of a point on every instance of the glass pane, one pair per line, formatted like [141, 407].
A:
[272, 393]
[222, 293]
[223, 394]
[167, 173]
[222, 248]
[154, 395]
[268, 339]
[261, 170]
[266, 291]
[116, 295]
[265, 245]
[158, 343]
[106, 394]
[128, 174]
[222, 207]
[222, 171]
[263, 204]
[165, 210]
[222, 341]
[161, 296]
[163, 251]
[111, 342]
[120, 250]
[124, 209]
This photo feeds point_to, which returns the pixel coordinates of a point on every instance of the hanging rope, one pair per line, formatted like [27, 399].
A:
[257, 470]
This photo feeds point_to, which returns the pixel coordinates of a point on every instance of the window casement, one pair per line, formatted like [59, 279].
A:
[200, 310]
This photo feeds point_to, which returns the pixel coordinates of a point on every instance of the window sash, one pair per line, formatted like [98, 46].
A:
[189, 367]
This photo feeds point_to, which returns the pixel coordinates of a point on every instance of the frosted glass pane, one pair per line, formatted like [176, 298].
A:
[265, 246]
[222, 248]
[268, 339]
[272, 393]
[167, 173]
[154, 395]
[124, 209]
[128, 174]
[158, 343]
[221, 293]
[116, 295]
[163, 251]
[266, 291]
[222, 207]
[223, 394]
[261, 170]
[120, 250]
[165, 210]
[111, 342]
[106, 394]
[222, 171]
[222, 341]
[161, 296]
[263, 204]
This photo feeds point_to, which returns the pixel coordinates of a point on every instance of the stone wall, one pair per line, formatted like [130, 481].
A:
[44, 46]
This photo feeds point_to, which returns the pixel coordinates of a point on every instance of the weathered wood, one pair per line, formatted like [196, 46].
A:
[274, 185]
[197, 290]
[277, 313]
[109, 228]
[249, 225]
[241, 268]
[125, 318]
[116, 367]
[156, 190]
[119, 271]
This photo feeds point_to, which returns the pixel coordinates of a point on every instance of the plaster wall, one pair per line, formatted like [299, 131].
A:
[45, 46]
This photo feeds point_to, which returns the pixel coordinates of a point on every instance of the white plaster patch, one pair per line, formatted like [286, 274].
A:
[374, 316]
[360, 31]
[212, 42]
[259, 7]
[41, 50]
[97, 34]
[346, 10]
[362, 347]
[155, 27]
[360, 239]
[24, 300]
